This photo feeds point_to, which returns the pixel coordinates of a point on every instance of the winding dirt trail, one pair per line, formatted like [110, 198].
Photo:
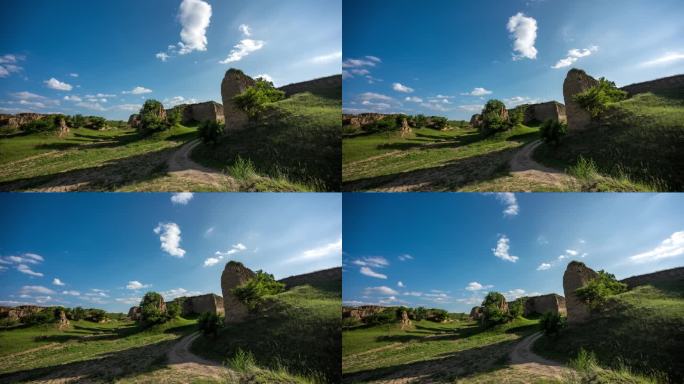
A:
[524, 167]
[182, 361]
[181, 165]
[524, 360]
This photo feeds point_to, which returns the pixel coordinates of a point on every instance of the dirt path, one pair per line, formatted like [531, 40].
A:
[524, 167]
[181, 360]
[523, 359]
[181, 165]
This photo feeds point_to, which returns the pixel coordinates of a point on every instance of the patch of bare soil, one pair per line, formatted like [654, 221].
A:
[189, 365]
[524, 167]
[523, 359]
[180, 165]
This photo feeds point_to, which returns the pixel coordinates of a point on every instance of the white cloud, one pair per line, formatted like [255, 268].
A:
[31, 289]
[72, 98]
[508, 198]
[571, 252]
[182, 198]
[26, 96]
[264, 76]
[401, 88]
[162, 56]
[58, 85]
[478, 92]
[57, 281]
[211, 261]
[8, 64]
[475, 286]
[23, 268]
[501, 250]
[93, 106]
[375, 261]
[414, 99]
[135, 285]
[543, 266]
[129, 300]
[673, 246]
[71, 293]
[235, 248]
[405, 257]
[668, 58]
[73, 74]
[573, 56]
[209, 231]
[333, 249]
[400, 284]
[177, 100]
[517, 293]
[355, 63]
[138, 91]
[523, 30]
[371, 273]
[327, 58]
[471, 107]
[244, 28]
[170, 238]
[178, 292]
[242, 49]
[518, 100]
[129, 107]
[194, 16]
[413, 293]
[542, 240]
[382, 290]
[471, 300]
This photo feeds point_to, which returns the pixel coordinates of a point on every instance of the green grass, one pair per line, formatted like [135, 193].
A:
[637, 147]
[639, 332]
[296, 332]
[108, 160]
[295, 142]
[106, 351]
[441, 352]
[588, 371]
[436, 160]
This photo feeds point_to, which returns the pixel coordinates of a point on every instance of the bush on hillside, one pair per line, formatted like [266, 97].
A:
[384, 317]
[253, 99]
[95, 122]
[252, 292]
[596, 99]
[552, 323]
[175, 308]
[209, 323]
[150, 309]
[516, 308]
[438, 122]
[552, 131]
[150, 117]
[385, 125]
[419, 313]
[174, 116]
[77, 313]
[210, 132]
[42, 125]
[42, 317]
[597, 291]
[517, 115]
[438, 315]
[492, 119]
[95, 315]
[493, 311]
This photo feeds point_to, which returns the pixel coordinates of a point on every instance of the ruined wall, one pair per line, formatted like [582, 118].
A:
[476, 313]
[541, 112]
[361, 312]
[665, 84]
[577, 81]
[19, 313]
[576, 275]
[362, 119]
[203, 303]
[330, 86]
[545, 303]
[665, 276]
[234, 275]
[314, 278]
[20, 119]
[234, 83]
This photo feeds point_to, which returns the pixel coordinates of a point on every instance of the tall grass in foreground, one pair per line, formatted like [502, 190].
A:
[588, 370]
[245, 363]
[246, 172]
[593, 179]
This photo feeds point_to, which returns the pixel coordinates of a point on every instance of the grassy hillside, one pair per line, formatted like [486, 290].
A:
[96, 351]
[640, 330]
[297, 140]
[432, 160]
[297, 331]
[108, 159]
[639, 142]
[432, 351]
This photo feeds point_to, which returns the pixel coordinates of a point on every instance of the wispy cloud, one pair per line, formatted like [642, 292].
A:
[508, 198]
[182, 198]
[401, 88]
[245, 47]
[478, 92]
[57, 85]
[574, 55]
[666, 59]
[135, 285]
[502, 249]
[671, 247]
[523, 30]
[368, 271]
[475, 286]
[170, 238]
[543, 267]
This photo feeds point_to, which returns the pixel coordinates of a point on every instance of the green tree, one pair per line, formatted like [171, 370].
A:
[78, 313]
[517, 115]
[253, 99]
[517, 307]
[151, 308]
[175, 115]
[596, 99]
[438, 122]
[95, 315]
[494, 309]
[42, 125]
[551, 324]
[493, 117]
[96, 122]
[598, 290]
[150, 117]
[252, 292]
[78, 121]
[175, 308]
[420, 313]
[209, 323]
[552, 131]
[210, 132]
[420, 121]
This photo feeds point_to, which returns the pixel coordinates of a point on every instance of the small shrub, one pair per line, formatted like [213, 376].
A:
[438, 122]
[596, 99]
[150, 117]
[517, 307]
[552, 323]
[492, 312]
[438, 315]
[42, 317]
[597, 291]
[174, 116]
[95, 315]
[252, 292]
[242, 169]
[210, 132]
[78, 313]
[384, 317]
[584, 168]
[242, 361]
[95, 122]
[419, 313]
[150, 309]
[254, 98]
[209, 323]
[174, 308]
[492, 119]
[517, 115]
[42, 125]
[349, 322]
[552, 131]
[584, 361]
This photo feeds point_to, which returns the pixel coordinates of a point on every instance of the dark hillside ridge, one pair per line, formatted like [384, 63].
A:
[330, 87]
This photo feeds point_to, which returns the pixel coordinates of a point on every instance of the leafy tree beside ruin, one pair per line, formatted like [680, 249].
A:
[210, 132]
[152, 309]
[552, 132]
[151, 117]
[253, 291]
[495, 310]
[209, 323]
[494, 118]
[254, 98]
[596, 99]
[597, 291]
[516, 308]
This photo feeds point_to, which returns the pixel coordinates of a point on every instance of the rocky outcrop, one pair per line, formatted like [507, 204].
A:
[405, 128]
[361, 312]
[134, 313]
[539, 305]
[234, 83]
[405, 321]
[576, 275]
[541, 112]
[476, 120]
[195, 305]
[330, 86]
[20, 119]
[134, 120]
[62, 128]
[577, 81]
[666, 84]
[362, 119]
[665, 276]
[476, 313]
[324, 276]
[19, 313]
[62, 321]
[234, 275]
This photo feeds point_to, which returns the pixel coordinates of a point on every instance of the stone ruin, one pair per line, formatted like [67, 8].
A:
[134, 313]
[134, 120]
[476, 313]
[665, 84]
[234, 83]
[665, 276]
[200, 112]
[545, 303]
[234, 275]
[313, 278]
[19, 313]
[541, 112]
[577, 275]
[405, 321]
[320, 86]
[63, 322]
[577, 81]
[476, 120]
[20, 119]
[361, 120]
[203, 303]
[361, 312]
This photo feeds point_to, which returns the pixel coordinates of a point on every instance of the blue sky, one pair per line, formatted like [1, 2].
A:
[107, 249]
[447, 250]
[448, 57]
[106, 57]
